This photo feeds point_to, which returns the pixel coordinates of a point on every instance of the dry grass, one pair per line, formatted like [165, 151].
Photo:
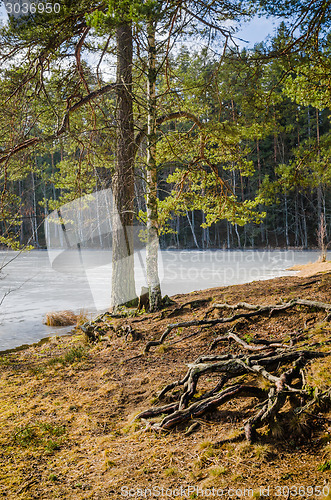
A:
[64, 318]
[319, 375]
[66, 408]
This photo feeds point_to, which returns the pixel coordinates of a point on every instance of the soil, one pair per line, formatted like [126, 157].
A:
[67, 409]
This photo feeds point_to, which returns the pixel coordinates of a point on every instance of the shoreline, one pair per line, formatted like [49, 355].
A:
[304, 270]
[67, 407]
[311, 269]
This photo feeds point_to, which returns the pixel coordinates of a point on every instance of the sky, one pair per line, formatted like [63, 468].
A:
[3, 14]
[256, 31]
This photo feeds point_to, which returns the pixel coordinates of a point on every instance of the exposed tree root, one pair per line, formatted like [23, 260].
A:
[277, 361]
[232, 336]
[271, 400]
[201, 407]
[254, 310]
[191, 304]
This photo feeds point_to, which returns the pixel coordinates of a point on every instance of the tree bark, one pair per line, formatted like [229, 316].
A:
[154, 287]
[123, 284]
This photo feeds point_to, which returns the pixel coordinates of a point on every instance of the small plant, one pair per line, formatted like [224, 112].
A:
[263, 452]
[109, 464]
[132, 427]
[244, 450]
[205, 444]
[55, 430]
[53, 477]
[299, 425]
[74, 354]
[55, 361]
[276, 429]
[312, 391]
[207, 457]
[51, 446]
[25, 436]
[163, 348]
[82, 317]
[218, 471]
[325, 466]
[5, 361]
[37, 370]
[40, 434]
[172, 471]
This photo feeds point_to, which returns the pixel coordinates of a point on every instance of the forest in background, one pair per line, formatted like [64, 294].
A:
[264, 122]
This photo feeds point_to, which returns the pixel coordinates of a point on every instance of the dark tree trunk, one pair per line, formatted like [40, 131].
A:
[123, 285]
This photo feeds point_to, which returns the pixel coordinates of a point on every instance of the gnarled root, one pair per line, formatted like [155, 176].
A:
[230, 367]
[253, 311]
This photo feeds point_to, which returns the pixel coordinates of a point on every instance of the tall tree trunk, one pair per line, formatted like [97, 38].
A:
[20, 191]
[262, 227]
[304, 225]
[154, 287]
[275, 141]
[191, 224]
[296, 217]
[228, 229]
[123, 284]
[308, 120]
[34, 221]
[286, 222]
[319, 187]
[205, 232]
[177, 228]
[237, 234]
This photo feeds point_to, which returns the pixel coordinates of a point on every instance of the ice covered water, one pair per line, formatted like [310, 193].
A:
[35, 287]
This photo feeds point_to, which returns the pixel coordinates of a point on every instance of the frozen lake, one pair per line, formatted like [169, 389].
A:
[38, 282]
